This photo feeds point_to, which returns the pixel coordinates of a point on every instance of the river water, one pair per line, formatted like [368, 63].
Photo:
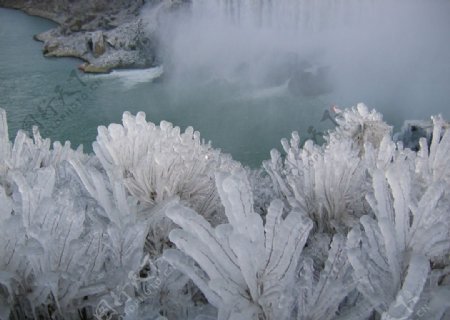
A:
[245, 121]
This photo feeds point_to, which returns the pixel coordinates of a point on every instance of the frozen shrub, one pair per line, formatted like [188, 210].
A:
[361, 126]
[328, 183]
[74, 236]
[28, 154]
[244, 265]
[158, 162]
[432, 160]
[358, 228]
[397, 255]
[251, 270]
[323, 291]
[46, 255]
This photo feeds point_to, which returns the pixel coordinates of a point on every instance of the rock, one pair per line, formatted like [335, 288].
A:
[117, 59]
[81, 15]
[413, 130]
[126, 46]
[104, 34]
[90, 68]
[98, 44]
[128, 36]
[58, 45]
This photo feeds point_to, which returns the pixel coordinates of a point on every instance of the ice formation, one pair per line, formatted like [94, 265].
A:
[246, 265]
[156, 224]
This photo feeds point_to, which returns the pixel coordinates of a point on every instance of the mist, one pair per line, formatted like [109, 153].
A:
[272, 67]
[370, 47]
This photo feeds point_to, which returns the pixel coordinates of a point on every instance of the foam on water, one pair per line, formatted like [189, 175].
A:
[132, 77]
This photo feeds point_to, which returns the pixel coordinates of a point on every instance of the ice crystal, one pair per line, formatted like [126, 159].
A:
[360, 125]
[394, 252]
[327, 182]
[245, 264]
[358, 228]
[159, 162]
[74, 231]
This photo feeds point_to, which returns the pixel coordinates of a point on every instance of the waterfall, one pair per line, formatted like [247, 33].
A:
[255, 40]
[290, 15]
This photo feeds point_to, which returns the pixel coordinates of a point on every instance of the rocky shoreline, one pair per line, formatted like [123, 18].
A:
[106, 35]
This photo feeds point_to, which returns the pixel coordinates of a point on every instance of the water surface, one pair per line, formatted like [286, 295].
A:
[240, 118]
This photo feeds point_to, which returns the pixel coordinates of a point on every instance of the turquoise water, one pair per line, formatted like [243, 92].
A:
[244, 121]
[244, 125]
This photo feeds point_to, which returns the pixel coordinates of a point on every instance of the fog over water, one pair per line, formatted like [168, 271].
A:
[393, 55]
[247, 73]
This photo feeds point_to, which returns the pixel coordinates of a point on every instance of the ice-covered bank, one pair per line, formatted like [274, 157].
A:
[156, 224]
